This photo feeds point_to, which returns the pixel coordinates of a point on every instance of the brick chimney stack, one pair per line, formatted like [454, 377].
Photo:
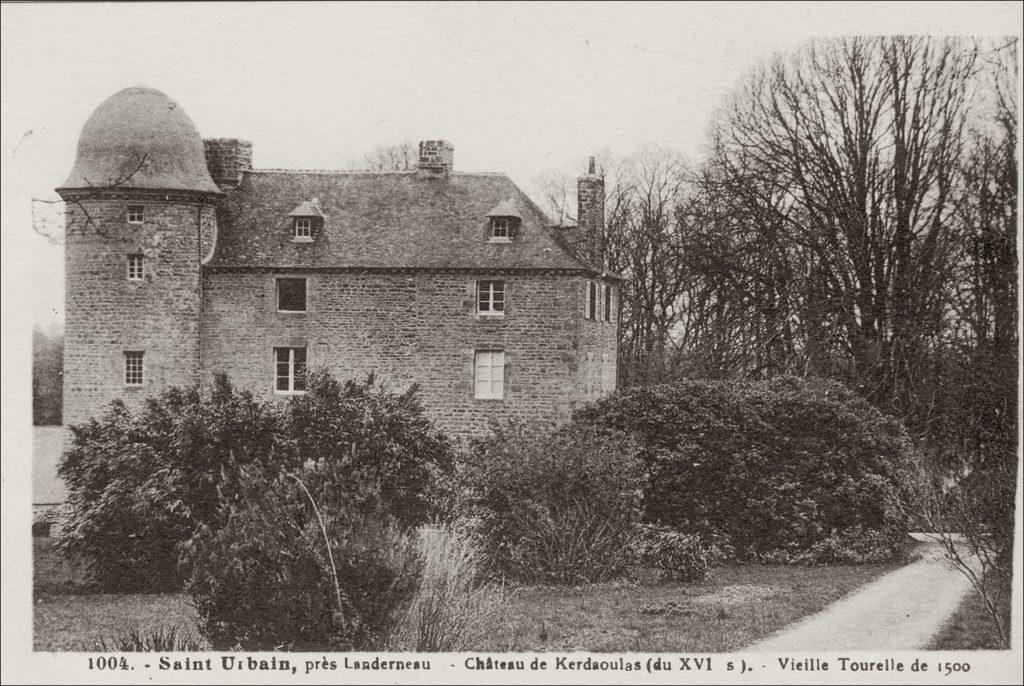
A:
[227, 159]
[436, 158]
[590, 214]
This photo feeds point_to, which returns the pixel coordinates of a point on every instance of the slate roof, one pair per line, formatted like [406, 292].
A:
[139, 138]
[307, 208]
[505, 208]
[384, 220]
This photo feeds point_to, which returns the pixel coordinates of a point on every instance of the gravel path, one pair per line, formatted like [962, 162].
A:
[902, 610]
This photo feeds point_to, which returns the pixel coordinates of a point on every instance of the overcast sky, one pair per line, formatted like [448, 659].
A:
[521, 89]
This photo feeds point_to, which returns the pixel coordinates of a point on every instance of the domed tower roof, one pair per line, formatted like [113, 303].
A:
[139, 138]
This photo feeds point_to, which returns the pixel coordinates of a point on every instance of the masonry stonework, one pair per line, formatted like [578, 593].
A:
[107, 314]
[416, 327]
[391, 262]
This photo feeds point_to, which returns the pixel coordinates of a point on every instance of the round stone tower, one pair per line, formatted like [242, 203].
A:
[140, 217]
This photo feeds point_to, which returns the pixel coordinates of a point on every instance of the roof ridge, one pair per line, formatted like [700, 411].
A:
[275, 170]
[367, 172]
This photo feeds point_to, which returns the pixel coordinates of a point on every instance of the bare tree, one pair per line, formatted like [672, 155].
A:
[398, 157]
[642, 243]
[848, 150]
[642, 194]
[53, 219]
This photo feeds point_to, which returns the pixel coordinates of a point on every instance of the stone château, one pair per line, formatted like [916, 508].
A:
[184, 261]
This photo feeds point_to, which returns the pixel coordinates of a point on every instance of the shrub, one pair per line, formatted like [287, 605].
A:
[856, 546]
[266, 581]
[552, 506]
[358, 434]
[455, 603]
[676, 556]
[771, 466]
[142, 484]
[139, 485]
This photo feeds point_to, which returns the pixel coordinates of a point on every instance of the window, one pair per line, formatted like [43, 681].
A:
[291, 295]
[500, 228]
[290, 370]
[607, 303]
[490, 374]
[591, 304]
[303, 227]
[136, 214]
[133, 368]
[135, 267]
[490, 297]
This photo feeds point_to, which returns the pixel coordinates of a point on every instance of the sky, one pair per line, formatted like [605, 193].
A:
[524, 89]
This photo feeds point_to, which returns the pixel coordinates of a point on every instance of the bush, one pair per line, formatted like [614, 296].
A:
[140, 485]
[552, 506]
[676, 556]
[857, 546]
[266, 581]
[455, 604]
[359, 434]
[773, 466]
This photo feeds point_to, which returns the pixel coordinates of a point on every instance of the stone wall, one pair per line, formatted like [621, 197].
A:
[416, 327]
[227, 159]
[106, 314]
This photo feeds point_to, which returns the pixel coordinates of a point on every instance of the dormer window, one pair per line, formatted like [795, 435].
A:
[307, 218]
[504, 220]
[499, 227]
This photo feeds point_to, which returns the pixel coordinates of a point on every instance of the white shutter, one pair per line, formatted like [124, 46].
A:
[497, 375]
[490, 375]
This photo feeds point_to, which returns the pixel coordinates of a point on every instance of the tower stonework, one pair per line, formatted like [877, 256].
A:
[139, 219]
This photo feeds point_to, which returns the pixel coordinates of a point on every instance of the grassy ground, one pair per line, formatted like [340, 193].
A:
[68, 616]
[81, 622]
[971, 628]
[741, 604]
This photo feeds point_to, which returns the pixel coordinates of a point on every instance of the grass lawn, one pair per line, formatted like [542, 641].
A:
[971, 628]
[740, 605]
[66, 616]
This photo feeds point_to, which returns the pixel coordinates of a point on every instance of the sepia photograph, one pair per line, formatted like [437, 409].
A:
[522, 342]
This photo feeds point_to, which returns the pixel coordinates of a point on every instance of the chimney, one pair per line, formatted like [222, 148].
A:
[436, 158]
[590, 214]
[227, 159]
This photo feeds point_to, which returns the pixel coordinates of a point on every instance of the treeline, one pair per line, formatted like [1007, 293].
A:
[47, 377]
[854, 218]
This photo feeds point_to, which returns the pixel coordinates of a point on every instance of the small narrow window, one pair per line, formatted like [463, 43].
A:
[291, 295]
[490, 297]
[591, 306]
[500, 228]
[303, 227]
[290, 370]
[490, 375]
[136, 268]
[607, 303]
[136, 214]
[133, 368]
